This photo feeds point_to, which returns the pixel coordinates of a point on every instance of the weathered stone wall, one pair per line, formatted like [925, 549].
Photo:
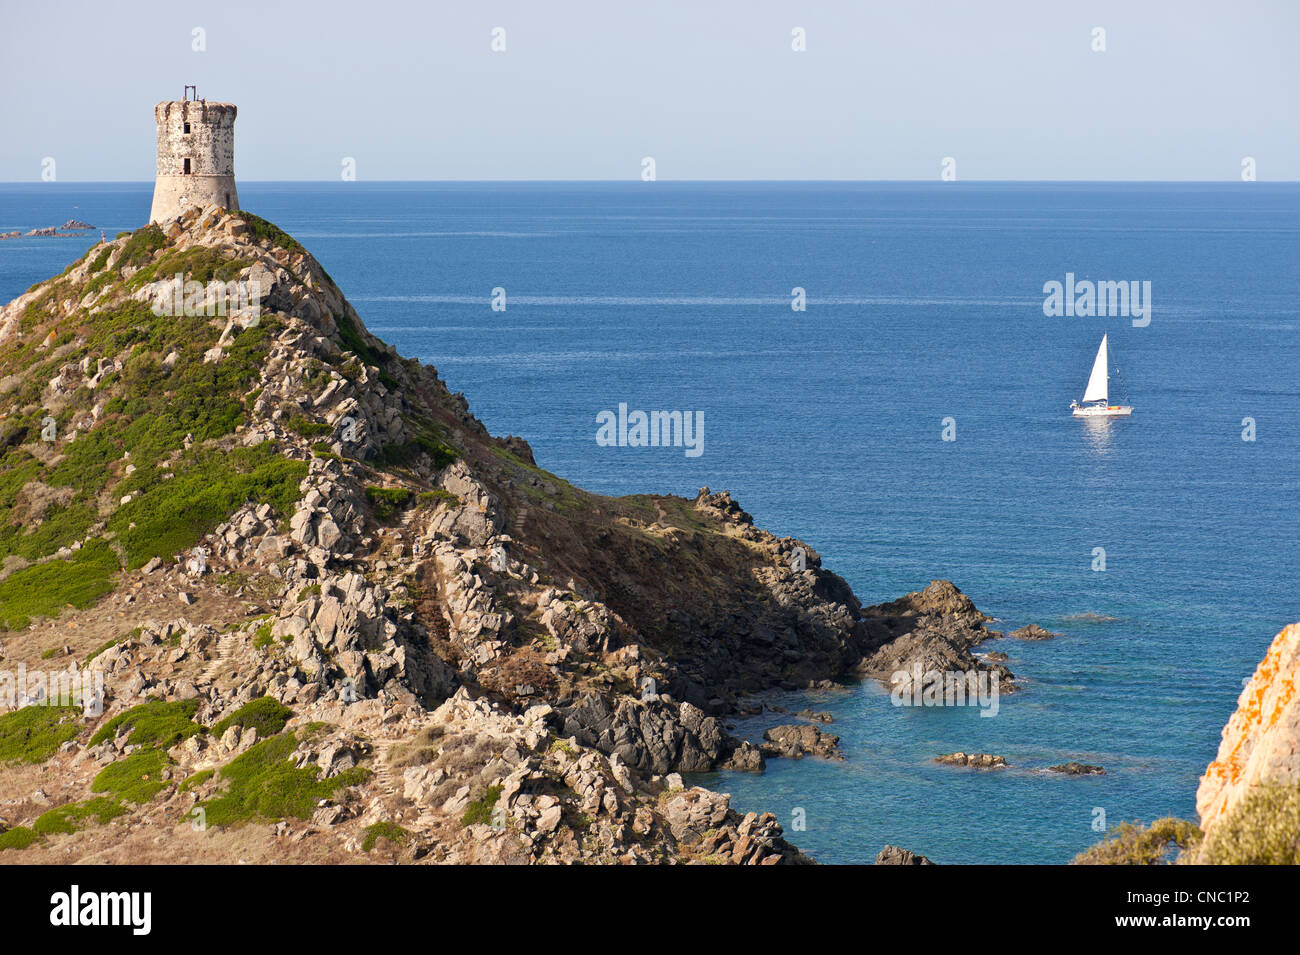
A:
[210, 147]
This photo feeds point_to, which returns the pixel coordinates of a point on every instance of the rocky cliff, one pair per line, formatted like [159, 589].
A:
[338, 620]
[1261, 741]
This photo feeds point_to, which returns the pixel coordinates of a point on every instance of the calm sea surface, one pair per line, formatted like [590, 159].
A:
[924, 302]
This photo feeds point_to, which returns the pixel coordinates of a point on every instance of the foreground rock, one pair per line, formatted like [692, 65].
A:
[893, 855]
[1261, 741]
[933, 630]
[798, 740]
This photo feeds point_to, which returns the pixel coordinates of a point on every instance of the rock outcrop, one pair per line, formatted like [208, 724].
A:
[973, 760]
[472, 659]
[1261, 741]
[798, 740]
[894, 855]
[936, 628]
[1032, 632]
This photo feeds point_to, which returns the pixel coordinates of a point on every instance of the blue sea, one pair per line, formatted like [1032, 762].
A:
[924, 302]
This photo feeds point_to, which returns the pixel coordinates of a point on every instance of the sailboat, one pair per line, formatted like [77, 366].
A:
[1098, 392]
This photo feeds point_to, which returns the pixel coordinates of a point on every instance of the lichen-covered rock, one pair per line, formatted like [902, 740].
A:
[1261, 741]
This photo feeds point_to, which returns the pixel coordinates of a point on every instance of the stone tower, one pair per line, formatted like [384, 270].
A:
[196, 156]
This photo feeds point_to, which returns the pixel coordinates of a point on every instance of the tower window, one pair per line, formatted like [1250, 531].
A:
[187, 129]
[187, 167]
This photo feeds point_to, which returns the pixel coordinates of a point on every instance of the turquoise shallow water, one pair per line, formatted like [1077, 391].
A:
[925, 301]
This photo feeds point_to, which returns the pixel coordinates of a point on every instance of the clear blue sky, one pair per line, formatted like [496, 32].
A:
[712, 90]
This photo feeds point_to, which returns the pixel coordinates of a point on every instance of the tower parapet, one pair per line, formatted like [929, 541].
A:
[196, 157]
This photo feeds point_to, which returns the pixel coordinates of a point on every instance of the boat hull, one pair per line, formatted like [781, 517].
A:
[1103, 411]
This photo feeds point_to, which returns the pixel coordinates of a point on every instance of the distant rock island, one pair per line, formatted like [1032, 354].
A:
[73, 227]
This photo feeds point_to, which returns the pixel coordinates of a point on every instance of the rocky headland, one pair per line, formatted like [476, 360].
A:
[339, 621]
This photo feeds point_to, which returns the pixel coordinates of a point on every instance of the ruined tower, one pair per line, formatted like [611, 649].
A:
[196, 156]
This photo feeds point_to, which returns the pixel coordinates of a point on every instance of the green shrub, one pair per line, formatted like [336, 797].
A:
[480, 810]
[100, 260]
[196, 780]
[265, 714]
[1262, 829]
[156, 723]
[353, 341]
[136, 778]
[173, 515]
[263, 784]
[200, 264]
[263, 229]
[97, 283]
[385, 830]
[19, 837]
[388, 501]
[43, 590]
[139, 249]
[309, 429]
[262, 637]
[1132, 843]
[70, 818]
[438, 494]
[35, 733]
[129, 635]
[425, 440]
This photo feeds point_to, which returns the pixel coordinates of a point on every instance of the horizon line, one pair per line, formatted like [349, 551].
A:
[1207, 182]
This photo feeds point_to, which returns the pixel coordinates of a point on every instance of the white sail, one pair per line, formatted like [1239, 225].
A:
[1097, 389]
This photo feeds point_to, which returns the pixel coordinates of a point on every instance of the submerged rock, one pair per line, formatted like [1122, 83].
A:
[1033, 632]
[1073, 768]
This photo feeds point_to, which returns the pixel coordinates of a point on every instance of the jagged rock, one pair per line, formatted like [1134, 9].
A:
[798, 740]
[656, 736]
[893, 855]
[1261, 740]
[973, 760]
[1032, 632]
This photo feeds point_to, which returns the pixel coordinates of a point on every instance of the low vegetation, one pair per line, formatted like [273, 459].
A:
[262, 783]
[156, 723]
[390, 831]
[43, 590]
[136, 778]
[34, 733]
[479, 812]
[1132, 843]
[1263, 829]
[266, 715]
[388, 501]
